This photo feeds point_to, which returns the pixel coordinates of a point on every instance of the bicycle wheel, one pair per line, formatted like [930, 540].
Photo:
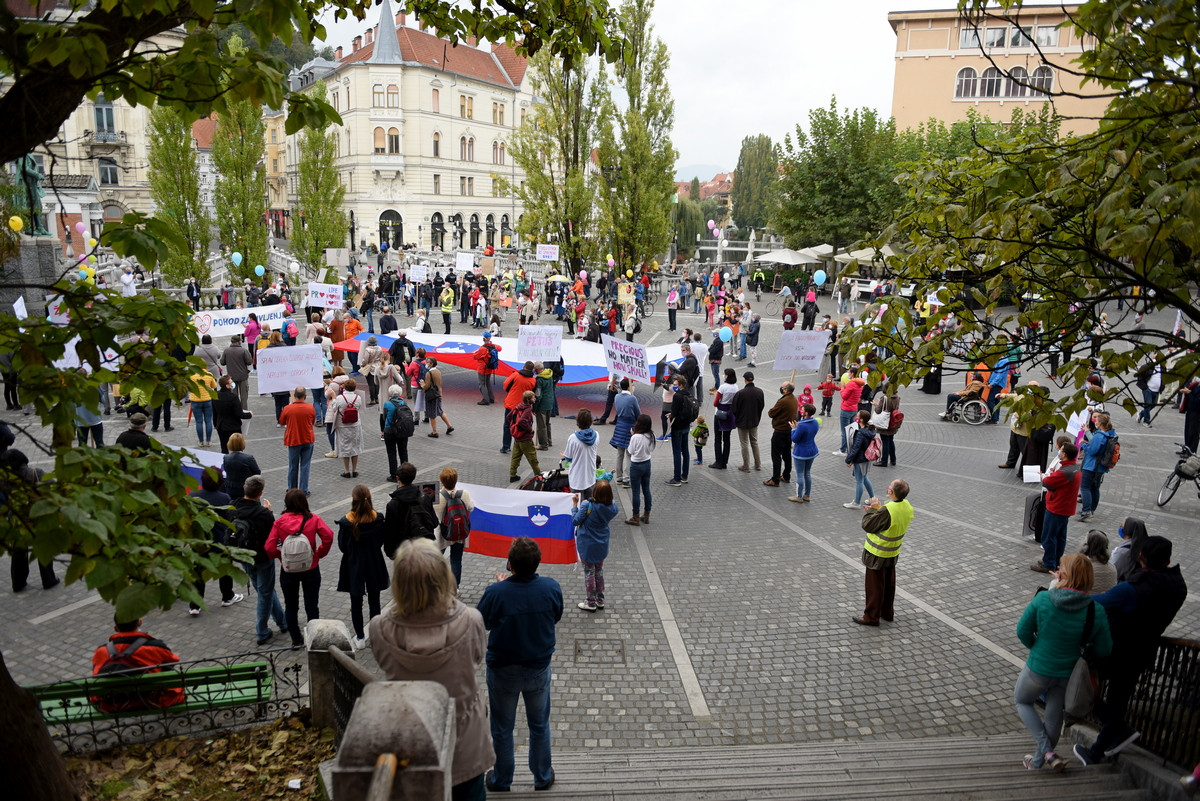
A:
[1167, 492]
[974, 412]
[773, 308]
[647, 309]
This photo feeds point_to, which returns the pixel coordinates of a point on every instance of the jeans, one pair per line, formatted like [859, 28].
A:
[1054, 539]
[861, 482]
[262, 578]
[97, 434]
[456, 552]
[397, 452]
[299, 461]
[593, 582]
[716, 371]
[370, 321]
[845, 417]
[639, 480]
[506, 434]
[356, 616]
[742, 346]
[506, 685]
[671, 319]
[679, 450]
[993, 402]
[722, 446]
[320, 404]
[1149, 401]
[887, 448]
[1089, 490]
[803, 475]
[1031, 686]
[290, 584]
[695, 305]
[203, 414]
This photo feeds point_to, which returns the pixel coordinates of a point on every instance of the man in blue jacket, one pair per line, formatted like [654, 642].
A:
[521, 612]
[997, 383]
[1092, 452]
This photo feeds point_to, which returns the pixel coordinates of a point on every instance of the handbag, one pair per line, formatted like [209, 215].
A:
[882, 419]
[721, 415]
[1081, 687]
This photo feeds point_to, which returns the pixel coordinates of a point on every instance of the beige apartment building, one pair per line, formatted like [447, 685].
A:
[946, 66]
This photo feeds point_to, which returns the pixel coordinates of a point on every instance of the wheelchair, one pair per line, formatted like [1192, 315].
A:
[969, 410]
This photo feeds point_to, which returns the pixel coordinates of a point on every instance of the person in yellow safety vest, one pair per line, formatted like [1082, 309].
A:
[885, 525]
[447, 299]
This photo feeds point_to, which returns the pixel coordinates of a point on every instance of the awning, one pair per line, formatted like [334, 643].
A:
[475, 225]
[785, 256]
[491, 226]
[507, 231]
[438, 228]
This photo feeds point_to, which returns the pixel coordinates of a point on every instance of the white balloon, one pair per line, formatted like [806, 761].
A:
[295, 266]
[724, 243]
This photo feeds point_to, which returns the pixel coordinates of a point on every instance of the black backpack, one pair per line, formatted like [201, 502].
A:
[120, 662]
[403, 424]
[240, 537]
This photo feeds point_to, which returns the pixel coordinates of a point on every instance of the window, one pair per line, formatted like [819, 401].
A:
[462, 148]
[502, 152]
[1018, 82]
[393, 96]
[495, 152]
[965, 86]
[393, 141]
[104, 116]
[462, 185]
[437, 184]
[968, 38]
[274, 165]
[437, 145]
[437, 102]
[274, 136]
[498, 113]
[347, 98]
[466, 107]
[994, 37]
[1019, 37]
[470, 186]
[1042, 81]
[1046, 36]
[495, 193]
[522, 116]
[109, 174]
[501, 114]
[989, 83]
[377, 95]
[380, 141]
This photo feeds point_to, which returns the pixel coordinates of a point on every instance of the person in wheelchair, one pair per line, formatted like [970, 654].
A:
[973, 391]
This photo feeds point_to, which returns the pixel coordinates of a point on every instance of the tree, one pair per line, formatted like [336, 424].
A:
[238, 147]
[1071, 226]
[320, 193]
[694, 190]
[174, 177]
[689, 222]
[757, 170]
[638, 142]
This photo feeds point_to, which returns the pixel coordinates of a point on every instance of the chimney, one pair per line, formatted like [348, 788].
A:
[420, 23]
[338, 54]
[370, 36]
[357, 44]
[472, 41]
[400, 19]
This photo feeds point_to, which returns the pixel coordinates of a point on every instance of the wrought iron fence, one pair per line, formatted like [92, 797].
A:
[349, 678]
[1166, 703]
[77, 725]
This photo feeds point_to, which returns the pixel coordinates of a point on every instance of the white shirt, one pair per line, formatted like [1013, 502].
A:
[128, 285]
[582, 472]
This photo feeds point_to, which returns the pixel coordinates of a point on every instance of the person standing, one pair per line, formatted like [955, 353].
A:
[752, 332]
[239, 466]
[520, 611]
[238, 363]
[210, 492]
[681, 416]
[487, 362]
[858, 460]
[716, 353]
[515, 387]
[362, 570]
[783, 416]
[1062, 488]
[889, 403]
[256, 511]
[1149, 381]
[610, 398]
[591, 519]
[297, 520]
[432, 386]
[395, 422]
[723, 419]
[193, 294]
[543, 408]
[371, 364]
[641, 449]
[803, 435]
[298, 418]
[352, 327]
[1095, 445]
[626, 412]
[1189, 405]
[446, 536]
[748, 406]
[851, 392]
[521, 425]
[346, 410]
[581, 450]
[885, 525]
[227, 412]
[446, 298]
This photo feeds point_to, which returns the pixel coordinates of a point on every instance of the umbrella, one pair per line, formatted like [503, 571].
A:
[558, 278]
[785, 256]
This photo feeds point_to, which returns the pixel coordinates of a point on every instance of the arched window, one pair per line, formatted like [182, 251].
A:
[437, 144]
[393, 141]
[462, 148]
[1042, 80]
[347, 99]
[393, 96]
[1018, 82]
[377, 95]
[502, 152]
[495, 152]
[965, 87]
[471, 149]
[380, 141]
[437, 102]
[989, 82]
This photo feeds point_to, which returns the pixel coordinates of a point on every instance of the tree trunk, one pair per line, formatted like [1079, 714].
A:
[29, 761]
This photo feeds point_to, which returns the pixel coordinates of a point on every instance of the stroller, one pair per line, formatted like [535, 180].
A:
[557, 480]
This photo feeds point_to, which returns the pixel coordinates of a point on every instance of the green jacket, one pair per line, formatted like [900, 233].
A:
[1052, 629]
[545, 391]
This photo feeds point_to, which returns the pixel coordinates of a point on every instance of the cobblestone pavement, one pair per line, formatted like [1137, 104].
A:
[728, 617]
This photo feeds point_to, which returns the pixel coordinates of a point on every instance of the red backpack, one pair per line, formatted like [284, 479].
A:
[350, 413]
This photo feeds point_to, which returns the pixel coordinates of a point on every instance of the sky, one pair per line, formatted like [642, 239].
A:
[759, 66]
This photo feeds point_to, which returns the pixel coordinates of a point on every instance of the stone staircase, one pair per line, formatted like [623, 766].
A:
[974, 768]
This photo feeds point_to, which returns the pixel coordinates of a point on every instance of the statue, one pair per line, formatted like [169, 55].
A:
[30, 176]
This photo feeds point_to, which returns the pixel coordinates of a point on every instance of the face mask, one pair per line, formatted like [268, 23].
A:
[1121, 532]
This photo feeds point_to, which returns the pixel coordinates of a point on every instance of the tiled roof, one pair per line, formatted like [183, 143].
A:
[202, 131]
[70, 181]
[423, 48]
[515, 65]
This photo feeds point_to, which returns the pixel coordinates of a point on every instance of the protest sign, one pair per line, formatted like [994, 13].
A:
[626, 359]
[625, 292]
[225, 323]
[19, 309]
[418, 273]
[802, 351]
[337, 257]
[539, 343]
[464, 262]
[547, 252]
[324, 296]
[487, 265]
[284, 369]
[57, 311]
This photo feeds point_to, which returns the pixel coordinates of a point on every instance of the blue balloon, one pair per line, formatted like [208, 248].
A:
[237, 259]
[83, 273]
[819, 276]
[726, 333]
[258, 270]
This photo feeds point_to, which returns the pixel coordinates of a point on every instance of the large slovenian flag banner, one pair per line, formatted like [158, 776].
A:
[502, 515]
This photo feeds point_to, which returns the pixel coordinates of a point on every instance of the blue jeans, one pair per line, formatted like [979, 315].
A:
[639, 479]
[1030, 687]
[993, 402]
[202, 413]
[456, 552]
[716, 371]
[1149, 401]
[695, 305]
[320, 404]
[370, 321]
[1089, 490]
[861, 482]
[262, 578]
[844, 419]
[679, 450]
[299, 460]
[803, 475]
[505, 686]
[1054, 539]
[742, 346]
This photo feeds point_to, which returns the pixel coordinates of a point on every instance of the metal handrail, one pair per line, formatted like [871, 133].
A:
[1165, 706]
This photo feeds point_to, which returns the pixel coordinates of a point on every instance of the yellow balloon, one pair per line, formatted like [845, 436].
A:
[91, 272]
[92, 243]
[16, 223]
[629, 273]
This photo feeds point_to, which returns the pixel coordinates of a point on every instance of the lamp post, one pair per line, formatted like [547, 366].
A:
[351, 230]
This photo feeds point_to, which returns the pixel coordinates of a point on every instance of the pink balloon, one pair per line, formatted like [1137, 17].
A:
[82, 257]
[80, 228]
[583, 274]
[711, 224]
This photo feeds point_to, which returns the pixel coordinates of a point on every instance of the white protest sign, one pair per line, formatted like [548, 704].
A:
[464, 262]
[626, 359]
[547, 252]
[337, 257]
[57, 311]
[418, 273]
[70, 359]
[222, 323]
[1076, 423]
[284, 369]
[324, 296]
[539, 343]
[802, 351]
[19, 309]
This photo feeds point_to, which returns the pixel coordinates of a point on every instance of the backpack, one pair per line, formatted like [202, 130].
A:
[693, 407]
[898, 418]
[493, 358]
[456, 520]
[867, 394]
[517, 424]
[1111, 453]
[403, 423]
[292, 330]
[637, 325]
[874, 450]
[240, 538]
[120, 662]
[350, 413]
[297, 552]
[421, 522]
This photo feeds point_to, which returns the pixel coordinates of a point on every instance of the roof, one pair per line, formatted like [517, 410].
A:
[70, 181]
[386, 46]
[993, 14]
[720, 184]
[202, 132]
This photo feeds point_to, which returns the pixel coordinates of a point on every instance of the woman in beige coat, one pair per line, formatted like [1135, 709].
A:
[425, 634]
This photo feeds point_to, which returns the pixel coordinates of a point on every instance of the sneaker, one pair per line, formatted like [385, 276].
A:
[1083, 754]
[1084, 516]
[263, 641]
[850, 505]
[673, 482]
[663, 438]
[796, 499]
[432, 435]
[237, 598]
[194, 612]
[944, 415]
[697, 461]
[482, 403]
[1121, 746]
[1028, 762]
[587, 607]
[489, 782]
[511, 479]
[1055, 762]
[359, 643]
[683, 480]
[1038, 567]
[331, 455]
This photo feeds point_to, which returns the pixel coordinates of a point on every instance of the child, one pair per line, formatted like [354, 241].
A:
[805, 396]
[591, 539]
[828, 387]
[700, 438]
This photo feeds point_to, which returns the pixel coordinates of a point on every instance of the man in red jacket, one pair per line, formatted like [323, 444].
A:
[144, 652]
[482, 357]
[298, 418]
[522, 433]
[1062, 490]
[516, 385]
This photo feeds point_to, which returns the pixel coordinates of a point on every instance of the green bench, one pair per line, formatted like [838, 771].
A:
[204, 688]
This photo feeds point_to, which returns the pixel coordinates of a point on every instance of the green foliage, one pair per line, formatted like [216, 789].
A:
[174, 177]
[757, 171]
[238, 146]
[320, 196]
[689, 221]
[694, 190]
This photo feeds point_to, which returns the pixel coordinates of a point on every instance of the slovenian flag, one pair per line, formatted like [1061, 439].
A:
[502, 515]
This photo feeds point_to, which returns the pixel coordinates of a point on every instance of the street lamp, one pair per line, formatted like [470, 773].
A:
[351, 230]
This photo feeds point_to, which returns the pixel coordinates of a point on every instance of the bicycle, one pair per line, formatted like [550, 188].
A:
[644, 308]
[775, 306]
[1188, 467]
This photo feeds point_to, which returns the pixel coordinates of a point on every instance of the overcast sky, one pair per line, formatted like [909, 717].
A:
[758, 66]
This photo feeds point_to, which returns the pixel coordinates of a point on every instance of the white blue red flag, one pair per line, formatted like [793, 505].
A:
[502, 515]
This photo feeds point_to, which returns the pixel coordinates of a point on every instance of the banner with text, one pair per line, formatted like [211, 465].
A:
[464, 262]
[222, 323]
[539, 343]
[418, 273]
[802, 351]
[324, 296]
[626, 359]
[284, 369]
[547, 252]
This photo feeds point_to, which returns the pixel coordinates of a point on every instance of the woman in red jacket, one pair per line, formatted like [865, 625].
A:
[298, 519]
